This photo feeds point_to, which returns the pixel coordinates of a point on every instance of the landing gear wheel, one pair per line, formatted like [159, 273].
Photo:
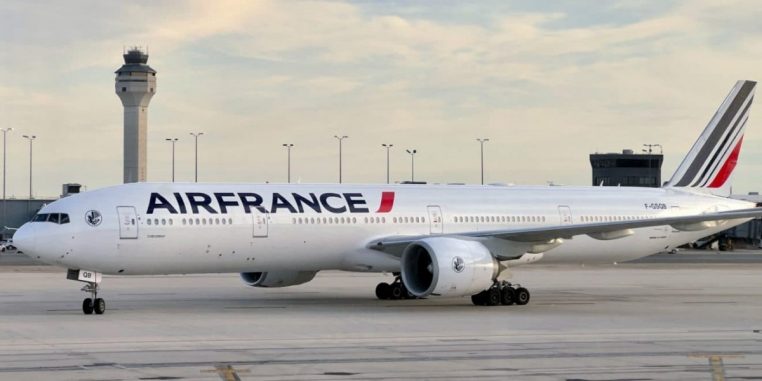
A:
[507, 296]
[93, 304]
[100, 306]
[398, 291]
[87, 306]
[493, 296]
[522, 296]
[479, 299]
[383, 291]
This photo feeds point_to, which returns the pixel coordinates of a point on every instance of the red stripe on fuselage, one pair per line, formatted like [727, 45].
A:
[727, 168]
[387, 202]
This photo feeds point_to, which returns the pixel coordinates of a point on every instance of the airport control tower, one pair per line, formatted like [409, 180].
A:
[135, 85]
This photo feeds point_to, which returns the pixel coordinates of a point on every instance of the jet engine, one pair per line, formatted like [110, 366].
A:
[445, 266]
[277, 278]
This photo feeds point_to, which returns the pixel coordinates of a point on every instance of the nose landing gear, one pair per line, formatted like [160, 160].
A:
[93, 304]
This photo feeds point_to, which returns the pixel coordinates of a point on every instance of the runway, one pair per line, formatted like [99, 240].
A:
[655, 321]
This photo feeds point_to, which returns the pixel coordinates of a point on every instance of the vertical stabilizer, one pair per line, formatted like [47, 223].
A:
[710, 162]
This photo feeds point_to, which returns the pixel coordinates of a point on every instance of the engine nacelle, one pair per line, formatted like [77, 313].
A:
[277, 278]
[445, 266]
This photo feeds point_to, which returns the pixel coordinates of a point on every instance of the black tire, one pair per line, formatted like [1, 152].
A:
[397, 291]
[383, 291]
[493, 297]
[522, 296]
[481, 298]
[406, 293]
[507, 296]
[87, 306]
[100, 306]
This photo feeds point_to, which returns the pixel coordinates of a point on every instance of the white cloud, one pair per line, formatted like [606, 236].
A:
[254, 75]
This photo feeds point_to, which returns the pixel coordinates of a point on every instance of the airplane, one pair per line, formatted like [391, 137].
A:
[437, 240]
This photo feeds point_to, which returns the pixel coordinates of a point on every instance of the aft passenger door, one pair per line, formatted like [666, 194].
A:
[261, 223]
[566, 215]
[435, 220]
[128, 222]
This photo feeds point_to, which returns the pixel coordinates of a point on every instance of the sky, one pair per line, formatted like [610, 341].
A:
[547, 82]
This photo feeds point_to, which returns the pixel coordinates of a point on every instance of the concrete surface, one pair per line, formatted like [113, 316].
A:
[626, 322]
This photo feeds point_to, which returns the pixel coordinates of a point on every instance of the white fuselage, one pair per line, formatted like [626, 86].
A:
[261, 226]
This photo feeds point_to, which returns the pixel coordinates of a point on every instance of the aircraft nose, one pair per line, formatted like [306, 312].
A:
[24, 239]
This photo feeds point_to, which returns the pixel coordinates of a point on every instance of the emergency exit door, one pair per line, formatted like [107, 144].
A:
[128, 222]
[566, 215]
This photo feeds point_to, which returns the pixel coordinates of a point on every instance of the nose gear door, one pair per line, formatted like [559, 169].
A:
[128, 222]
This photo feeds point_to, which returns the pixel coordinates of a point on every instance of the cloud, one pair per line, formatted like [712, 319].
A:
[547, 83]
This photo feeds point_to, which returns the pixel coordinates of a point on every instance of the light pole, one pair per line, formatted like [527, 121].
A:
[388, 147]
[5, 132]
[195, 136]
[288, 148]
[31, 140]
[340, 139]
[412, 164]
[173, 141]
[650, 160]
[481, 143]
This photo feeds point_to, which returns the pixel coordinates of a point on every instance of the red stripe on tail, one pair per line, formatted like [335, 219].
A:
[387, 202]
[727, 168]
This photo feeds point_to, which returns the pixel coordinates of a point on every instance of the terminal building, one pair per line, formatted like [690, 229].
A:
[626, 169]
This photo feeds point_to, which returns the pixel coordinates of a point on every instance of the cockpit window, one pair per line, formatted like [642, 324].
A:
[57, 218]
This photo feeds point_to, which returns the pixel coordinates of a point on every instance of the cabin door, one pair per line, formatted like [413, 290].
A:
[435, 219]
[128, 222]
[261, 222]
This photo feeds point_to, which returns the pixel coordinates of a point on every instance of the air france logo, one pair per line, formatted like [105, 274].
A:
[93, 218]
[458, 264]
[222, 202]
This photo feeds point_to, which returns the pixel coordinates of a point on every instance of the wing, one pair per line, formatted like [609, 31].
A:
[543, 238]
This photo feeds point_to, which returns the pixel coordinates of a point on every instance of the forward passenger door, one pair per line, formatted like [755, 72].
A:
[128, 222]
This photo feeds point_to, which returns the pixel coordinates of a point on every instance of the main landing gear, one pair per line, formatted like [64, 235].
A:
[396, 290]
[92, 279]
[502, 293]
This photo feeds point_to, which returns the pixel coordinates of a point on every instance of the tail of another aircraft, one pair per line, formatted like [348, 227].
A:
[711, 160]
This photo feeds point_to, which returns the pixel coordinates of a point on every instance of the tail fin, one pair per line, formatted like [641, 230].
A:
[711, 161]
